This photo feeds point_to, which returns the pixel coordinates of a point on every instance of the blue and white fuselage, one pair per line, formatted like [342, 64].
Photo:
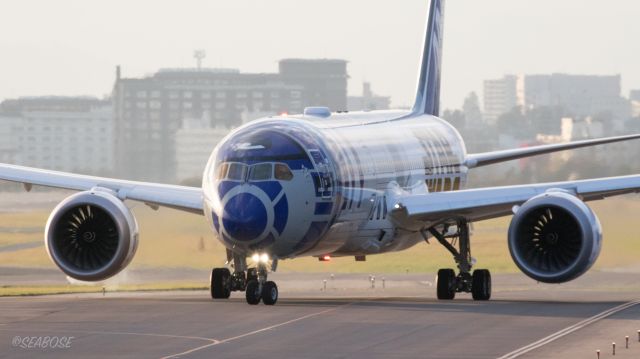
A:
[306, 185]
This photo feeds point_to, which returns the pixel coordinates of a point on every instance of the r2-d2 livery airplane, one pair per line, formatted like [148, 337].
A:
[340, 184]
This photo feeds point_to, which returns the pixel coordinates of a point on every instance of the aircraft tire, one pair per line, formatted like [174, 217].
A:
[481, 284]
[270, 293]
[446, 284]
[220, 283]
[252, 293]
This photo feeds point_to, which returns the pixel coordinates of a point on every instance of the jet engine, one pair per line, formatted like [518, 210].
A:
[554, 237]
[91, 235]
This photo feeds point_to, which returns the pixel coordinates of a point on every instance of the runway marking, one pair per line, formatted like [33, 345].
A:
[227, 340]
[124, 333]
[568, 330]
[154, 335]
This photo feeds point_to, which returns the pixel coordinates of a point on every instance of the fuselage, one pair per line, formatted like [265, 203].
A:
[303, 185]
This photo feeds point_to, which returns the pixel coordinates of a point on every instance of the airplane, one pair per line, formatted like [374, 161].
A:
[340, 184]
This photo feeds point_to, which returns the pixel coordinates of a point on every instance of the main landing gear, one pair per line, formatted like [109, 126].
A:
[253, 281]
[448, 283]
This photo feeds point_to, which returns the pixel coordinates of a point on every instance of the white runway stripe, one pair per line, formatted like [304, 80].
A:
[561, 333]
[255, 332]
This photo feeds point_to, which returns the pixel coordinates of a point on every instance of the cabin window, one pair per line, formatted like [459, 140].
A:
[261, 172]
[282, 172]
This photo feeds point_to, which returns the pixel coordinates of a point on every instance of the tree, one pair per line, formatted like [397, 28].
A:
[471, 109]
[514, 123]
[546, 119]
[456, 118]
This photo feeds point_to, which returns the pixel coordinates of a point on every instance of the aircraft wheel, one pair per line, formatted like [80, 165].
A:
[446, 284]
[270, 293]
[481, 284]
[220, 283]
[253, 294]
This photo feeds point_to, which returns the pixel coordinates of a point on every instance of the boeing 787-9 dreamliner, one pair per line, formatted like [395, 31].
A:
[340, 184]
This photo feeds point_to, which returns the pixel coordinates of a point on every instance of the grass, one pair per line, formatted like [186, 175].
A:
[7, 239]
[67, 289]
[170, 238]
[22, 220]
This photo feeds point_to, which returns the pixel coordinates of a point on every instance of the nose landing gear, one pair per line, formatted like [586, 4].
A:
[259, 288]
[448, 283]
[253, 292]
[253, 281]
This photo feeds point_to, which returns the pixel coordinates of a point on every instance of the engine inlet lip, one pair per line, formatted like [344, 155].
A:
[107, 204]
[549, 239]
[575, 208]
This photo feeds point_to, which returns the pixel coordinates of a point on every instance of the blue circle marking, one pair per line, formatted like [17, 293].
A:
[245, 217]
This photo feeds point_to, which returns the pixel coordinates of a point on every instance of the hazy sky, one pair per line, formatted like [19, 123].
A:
[71, 47]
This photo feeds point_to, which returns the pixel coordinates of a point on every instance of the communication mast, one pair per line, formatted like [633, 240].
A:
[199, 55]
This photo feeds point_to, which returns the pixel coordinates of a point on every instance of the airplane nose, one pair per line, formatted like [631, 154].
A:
[245, 217]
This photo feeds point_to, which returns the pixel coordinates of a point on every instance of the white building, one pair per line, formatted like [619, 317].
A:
[635, 108]
[501, 96]
[59, 133]
[634, 97]
[8, 141]
[194, 143]
[579, 95]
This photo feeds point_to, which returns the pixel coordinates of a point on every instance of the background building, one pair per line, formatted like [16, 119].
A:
[501, 96]
[634, 98]
[194, 142]
[323, 81]
[368, 101]
[60, 133]
[579, 95]
[576, 96]
[149, 111]
[9, 145]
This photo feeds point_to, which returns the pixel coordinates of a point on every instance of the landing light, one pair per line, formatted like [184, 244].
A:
[260, 258]
[324, 258]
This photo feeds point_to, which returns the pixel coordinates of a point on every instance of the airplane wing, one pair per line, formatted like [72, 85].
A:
[414, 211]
[488, 158]
[183, 198]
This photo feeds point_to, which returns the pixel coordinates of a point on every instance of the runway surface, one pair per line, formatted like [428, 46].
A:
[399, 321]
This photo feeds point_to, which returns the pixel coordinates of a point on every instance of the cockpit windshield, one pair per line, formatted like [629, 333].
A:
[222, 171]
[282, 172]
[235, 171]
[261, 172]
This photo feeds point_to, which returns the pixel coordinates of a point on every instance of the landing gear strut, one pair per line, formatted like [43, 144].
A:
[253, 281]
[448, 283]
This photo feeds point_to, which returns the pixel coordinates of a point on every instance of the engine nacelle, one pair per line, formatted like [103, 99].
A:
[91, 235]
[554, 237]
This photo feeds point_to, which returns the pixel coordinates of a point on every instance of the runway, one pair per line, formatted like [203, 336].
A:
[394, 322]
